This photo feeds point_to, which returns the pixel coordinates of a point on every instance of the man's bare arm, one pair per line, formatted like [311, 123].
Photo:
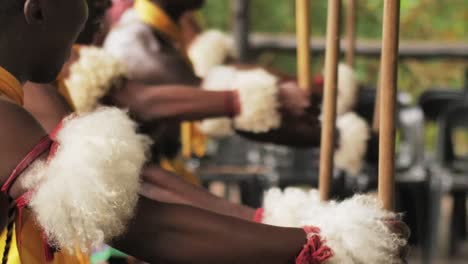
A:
[170, 102]
[183, 234]
[163, 186]
[19, 133]
[46, 104]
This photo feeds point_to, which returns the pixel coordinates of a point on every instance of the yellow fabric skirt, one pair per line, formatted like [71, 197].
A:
[32, 250]
[13, 256]
[177, 167]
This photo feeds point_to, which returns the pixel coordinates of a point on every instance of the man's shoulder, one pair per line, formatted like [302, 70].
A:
[130, 34]
[19, 132]
[16, 119]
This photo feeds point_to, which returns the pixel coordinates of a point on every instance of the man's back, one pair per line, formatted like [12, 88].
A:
[150, 57]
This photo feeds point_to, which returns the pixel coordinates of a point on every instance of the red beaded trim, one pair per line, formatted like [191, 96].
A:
[314, 251]
[258, 216]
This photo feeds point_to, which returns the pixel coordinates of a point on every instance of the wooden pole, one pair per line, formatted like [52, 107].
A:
[376, 120]
[241, 27]
[329, 100]
[389, 75]
[303, 43]
[350, 32]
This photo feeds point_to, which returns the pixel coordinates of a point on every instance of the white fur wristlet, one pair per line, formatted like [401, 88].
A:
[258, 99]
[210, 49]
[92, 76]
[87, 191]
[354, 132]
[220, 78]
[258, 96]
[353, 229]
[347, 89]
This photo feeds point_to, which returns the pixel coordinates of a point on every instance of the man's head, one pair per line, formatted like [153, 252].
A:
[97, 12]
[180, 5]
[37, 35]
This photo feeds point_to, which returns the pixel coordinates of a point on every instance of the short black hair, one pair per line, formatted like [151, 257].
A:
[11, 7]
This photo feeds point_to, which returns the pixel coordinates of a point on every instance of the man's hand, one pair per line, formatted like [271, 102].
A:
[402, 230]
[294, 100]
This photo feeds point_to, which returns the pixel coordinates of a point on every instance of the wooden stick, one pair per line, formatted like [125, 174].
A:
[376, 120]
[329, 100]
[389, 75]
[350, 32]
[241, 30]
[303, 43]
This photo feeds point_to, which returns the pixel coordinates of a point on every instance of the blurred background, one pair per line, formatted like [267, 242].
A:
[430, 22]
[432, 137]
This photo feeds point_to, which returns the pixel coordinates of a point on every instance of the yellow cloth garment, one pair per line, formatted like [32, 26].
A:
[11, 87]
[60, 82]
[32, 251]
[193, 141]
[177, 167]
[63, 90]
[13, 256]
[152, 15]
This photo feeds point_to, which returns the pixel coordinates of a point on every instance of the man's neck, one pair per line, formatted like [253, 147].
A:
[11, 61]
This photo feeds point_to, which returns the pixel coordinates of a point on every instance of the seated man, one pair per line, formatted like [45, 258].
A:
[81, 200]
[150, 42]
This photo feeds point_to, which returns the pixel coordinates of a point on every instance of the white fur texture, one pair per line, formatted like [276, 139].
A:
[258, 93]
[87, 193]
[347, 89]
[219, 78]
[211, 48]
[354, 133]
[92, 76]
[354, 229]
[258, 96]
[216, 127]
[133, 42]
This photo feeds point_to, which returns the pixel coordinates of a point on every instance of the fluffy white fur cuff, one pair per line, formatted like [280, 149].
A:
[258, 96]
[354, 133]
[220, 78]
[258, 93]
[87, 192]
[217, 127]
[347, 89]
[210, 49]
[354, 229]
[92, 76]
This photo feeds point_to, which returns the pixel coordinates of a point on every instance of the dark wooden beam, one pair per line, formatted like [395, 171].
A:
[367, 48]
[241, 27]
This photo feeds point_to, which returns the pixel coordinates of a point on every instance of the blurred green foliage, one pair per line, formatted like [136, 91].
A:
[431, 20]
[436, 20]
